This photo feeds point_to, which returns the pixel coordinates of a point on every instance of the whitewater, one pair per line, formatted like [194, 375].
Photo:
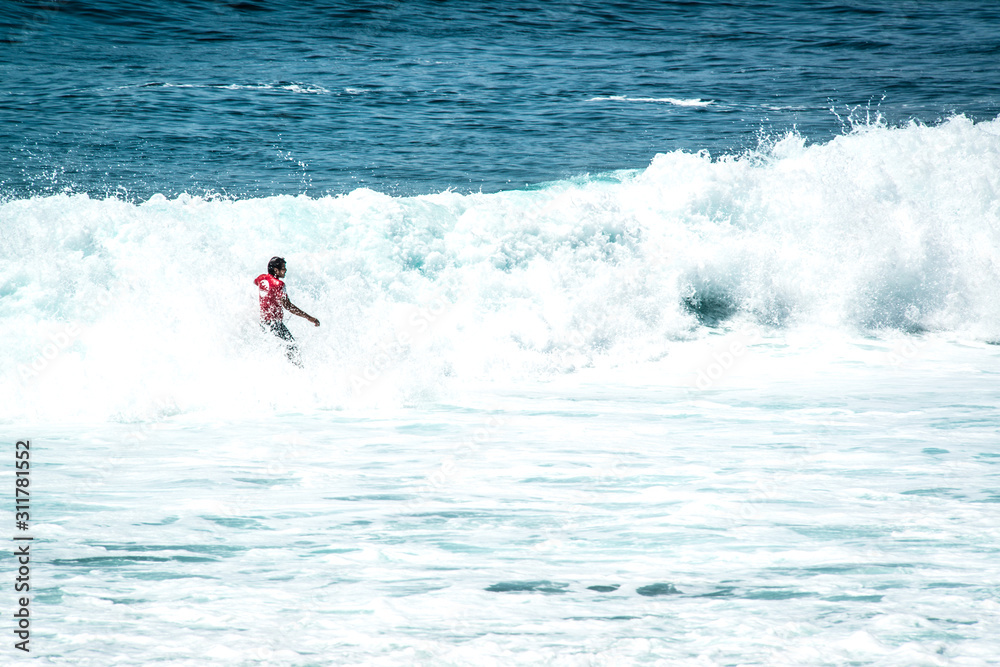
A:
[734, 409]
[880, 232]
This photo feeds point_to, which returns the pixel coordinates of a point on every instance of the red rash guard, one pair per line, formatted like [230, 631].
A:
[272, 295]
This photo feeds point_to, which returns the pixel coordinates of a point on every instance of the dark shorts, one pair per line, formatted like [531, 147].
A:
[278, 328]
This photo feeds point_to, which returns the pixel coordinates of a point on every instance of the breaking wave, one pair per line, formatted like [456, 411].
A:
[119, 308]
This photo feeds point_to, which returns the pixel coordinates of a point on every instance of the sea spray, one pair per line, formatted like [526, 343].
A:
[881, 229]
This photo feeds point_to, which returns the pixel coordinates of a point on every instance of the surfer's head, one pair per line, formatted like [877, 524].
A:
[276, 264]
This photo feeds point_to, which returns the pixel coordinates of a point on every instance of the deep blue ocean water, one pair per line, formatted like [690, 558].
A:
[260, 98]
[652, 333]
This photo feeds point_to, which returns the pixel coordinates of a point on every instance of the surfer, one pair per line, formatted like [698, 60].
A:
[273, 301]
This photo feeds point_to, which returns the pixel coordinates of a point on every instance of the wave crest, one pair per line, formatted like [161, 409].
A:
[117, 305]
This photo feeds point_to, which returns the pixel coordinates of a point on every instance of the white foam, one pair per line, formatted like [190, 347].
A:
[291, 87]
[129, 310]
[668, 100]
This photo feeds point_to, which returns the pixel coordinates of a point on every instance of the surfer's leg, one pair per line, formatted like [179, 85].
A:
[293, 355]
[292, 350]
[282, 332]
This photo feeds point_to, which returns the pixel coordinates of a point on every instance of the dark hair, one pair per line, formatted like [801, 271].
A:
[275, 264]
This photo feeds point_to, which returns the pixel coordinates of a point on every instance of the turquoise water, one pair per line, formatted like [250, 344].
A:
[809, 518]
[651, 334]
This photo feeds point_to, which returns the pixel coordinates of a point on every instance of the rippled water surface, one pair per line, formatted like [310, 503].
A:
[266, 98]
[811, 518]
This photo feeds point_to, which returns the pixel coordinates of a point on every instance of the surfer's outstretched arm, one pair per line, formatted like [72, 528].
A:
[295, 310]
